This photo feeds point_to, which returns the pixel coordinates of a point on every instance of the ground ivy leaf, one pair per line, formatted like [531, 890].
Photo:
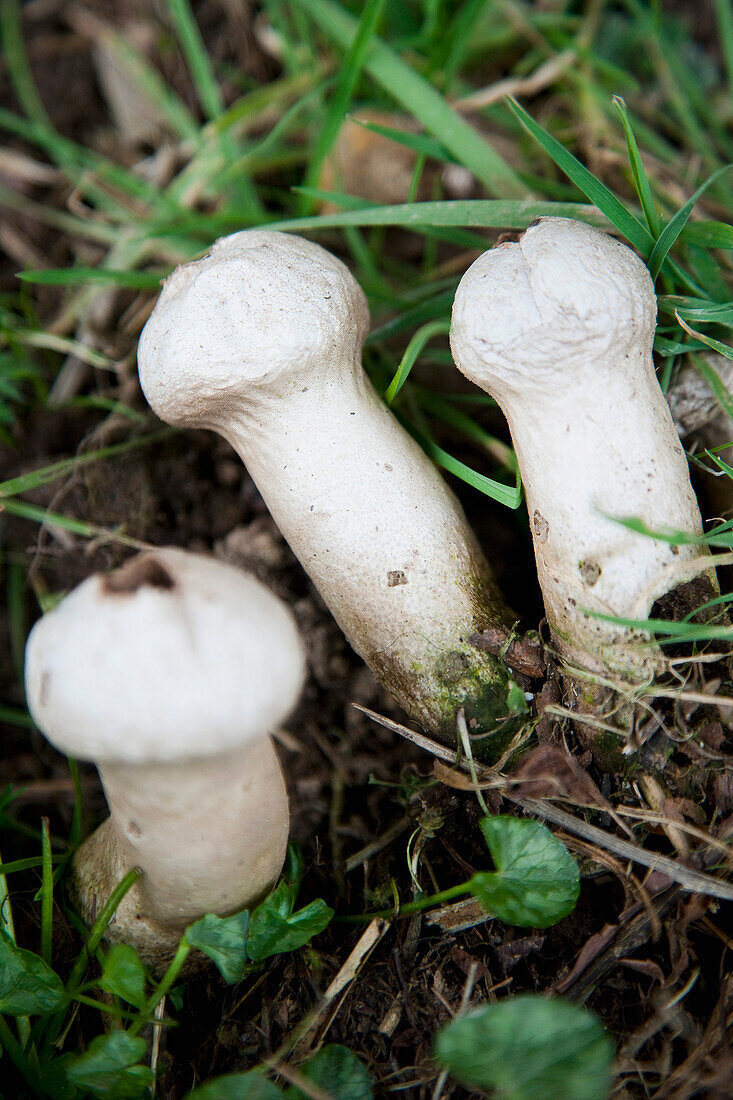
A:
[28, 987]
[337, 1071]
[237, 1086]
[527, 1047]
[123, 975]
[224, 940]
[536, 882]
[274, 927]
[108, 1067]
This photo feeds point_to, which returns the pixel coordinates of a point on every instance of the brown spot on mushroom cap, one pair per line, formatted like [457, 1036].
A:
[137, 573]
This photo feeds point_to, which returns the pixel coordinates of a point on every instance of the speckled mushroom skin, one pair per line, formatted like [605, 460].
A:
[558, 328]
[261, 341]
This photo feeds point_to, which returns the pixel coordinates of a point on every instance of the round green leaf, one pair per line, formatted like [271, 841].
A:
[536, 882]
[224, 940]
[28, 987]
[237, 1086]
[337, 1071]
[529, 1047]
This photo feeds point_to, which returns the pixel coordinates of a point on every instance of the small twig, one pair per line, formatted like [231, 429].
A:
[299, 1043]
[155, 1046]
[627, 938]
[537, 81]
[655, 797]
[298, 1080]
[467, 991]
[377, 845]
[466, 743]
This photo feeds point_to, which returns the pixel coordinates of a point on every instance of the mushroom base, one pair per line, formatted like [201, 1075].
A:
[98, 867]
[464, 677]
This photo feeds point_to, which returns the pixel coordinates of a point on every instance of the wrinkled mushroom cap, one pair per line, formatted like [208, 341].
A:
[260, 309]
[173, 656]
[560, 299]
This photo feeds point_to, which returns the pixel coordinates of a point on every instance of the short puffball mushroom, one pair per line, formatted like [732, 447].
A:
[558, 328]
[169, 674]
[261, 341]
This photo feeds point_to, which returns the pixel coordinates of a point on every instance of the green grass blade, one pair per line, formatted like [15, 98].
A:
[78, 276]
[504, 494]
[439, 305]
[459, 237]
[478, 213]
[701, 310]
[150, 83]
[413, 349]
[418, 97]
[16, 60]
[641, 180]
[196, 57]
[597, 192]
[677, 632]
[93, 941]
[713, 379]
[26, 864]
[25, 482]
[15, 717]
[709, 234]
[74, 526]
[672, 230]
[708, 341]
[424, 146]
[207, 89]
[724, 16]
[442, 409]
[46, 894]
[510, 497]
[350, 72]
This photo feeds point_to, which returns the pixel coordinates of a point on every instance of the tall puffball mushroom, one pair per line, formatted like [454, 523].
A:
[169, 674]
[558, 328]
[261, 341]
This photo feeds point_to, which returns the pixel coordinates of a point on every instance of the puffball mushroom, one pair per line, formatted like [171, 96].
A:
[169, 674]
[260, 341]
[558, 328]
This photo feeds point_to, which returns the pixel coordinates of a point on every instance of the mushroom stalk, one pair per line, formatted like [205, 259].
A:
[558, 328]
[173, 822]
[168, 674]
[261, 342]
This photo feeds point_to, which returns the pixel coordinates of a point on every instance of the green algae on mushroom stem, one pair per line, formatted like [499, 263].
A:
[169, 675]
[558, 328]
[261, 342]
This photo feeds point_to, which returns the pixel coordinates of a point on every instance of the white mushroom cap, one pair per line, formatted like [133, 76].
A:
[262, 308]
[528, 314]
[173, 656]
